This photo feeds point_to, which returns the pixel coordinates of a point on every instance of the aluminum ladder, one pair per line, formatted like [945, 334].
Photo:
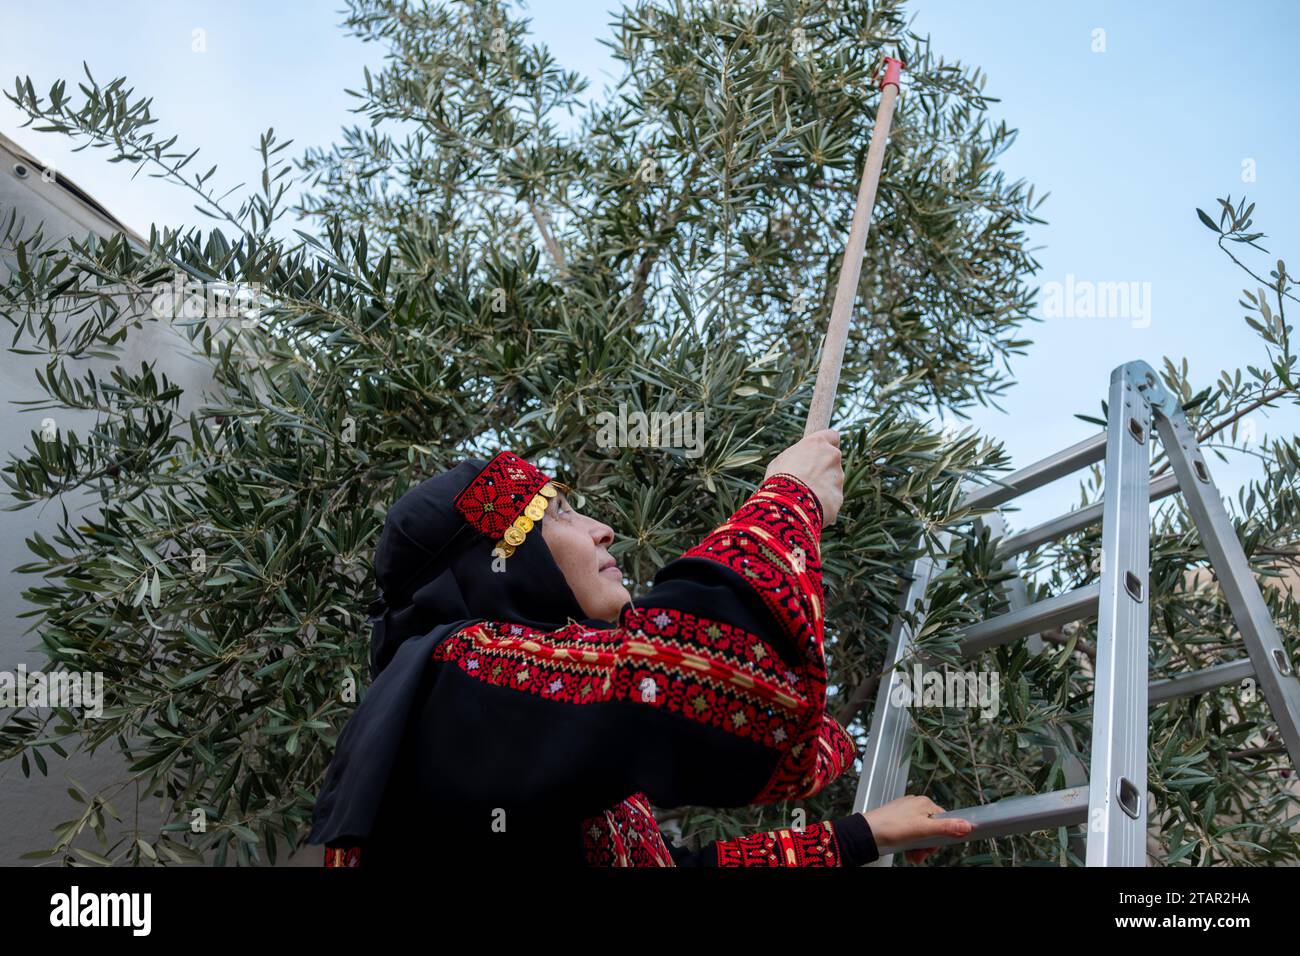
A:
[1111, 795]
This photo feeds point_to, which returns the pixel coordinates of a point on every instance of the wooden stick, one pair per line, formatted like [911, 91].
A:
[828, 373]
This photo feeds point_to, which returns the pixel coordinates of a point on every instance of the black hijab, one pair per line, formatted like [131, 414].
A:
[437, 573]
[434, 567]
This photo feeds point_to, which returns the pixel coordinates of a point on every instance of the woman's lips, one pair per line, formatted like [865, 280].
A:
[613, 570]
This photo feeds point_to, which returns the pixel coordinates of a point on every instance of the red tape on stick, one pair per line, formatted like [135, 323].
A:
[893, 72]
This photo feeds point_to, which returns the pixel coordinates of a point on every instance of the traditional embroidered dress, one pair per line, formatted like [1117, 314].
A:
[503, 728]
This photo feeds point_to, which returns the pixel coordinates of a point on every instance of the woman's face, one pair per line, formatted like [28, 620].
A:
[580, 547]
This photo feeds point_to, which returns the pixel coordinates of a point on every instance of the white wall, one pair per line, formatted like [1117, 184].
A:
[31, 806]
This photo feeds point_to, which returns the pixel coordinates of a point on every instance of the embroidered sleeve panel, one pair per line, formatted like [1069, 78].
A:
[814, 845]
[625, 835]
[773, 541]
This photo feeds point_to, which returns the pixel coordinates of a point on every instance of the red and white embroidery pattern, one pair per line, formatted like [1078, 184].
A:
[625, 835]
[813, 846]
[628, 835]
[706, 670]
[499, 493]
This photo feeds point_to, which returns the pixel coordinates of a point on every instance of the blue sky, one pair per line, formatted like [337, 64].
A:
[1128, 141]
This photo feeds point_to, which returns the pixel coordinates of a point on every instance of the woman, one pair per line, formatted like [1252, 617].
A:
[526, 710]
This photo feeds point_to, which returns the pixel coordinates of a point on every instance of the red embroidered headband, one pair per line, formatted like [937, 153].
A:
[505, 500]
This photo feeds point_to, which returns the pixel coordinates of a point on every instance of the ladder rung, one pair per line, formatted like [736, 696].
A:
[1043, 811]
[1052, 612]
[1193, 682]
[1162, 487]
[1001, 490]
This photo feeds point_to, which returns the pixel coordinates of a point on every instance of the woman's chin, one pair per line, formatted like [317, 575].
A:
[618, 598]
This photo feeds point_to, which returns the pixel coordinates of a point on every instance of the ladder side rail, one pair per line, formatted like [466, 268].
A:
[886, 757]
[1117, 800]
[1273, 668]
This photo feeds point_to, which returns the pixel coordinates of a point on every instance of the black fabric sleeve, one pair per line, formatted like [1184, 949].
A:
[856, 841]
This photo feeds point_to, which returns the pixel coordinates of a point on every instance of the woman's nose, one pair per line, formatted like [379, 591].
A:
[603, 534]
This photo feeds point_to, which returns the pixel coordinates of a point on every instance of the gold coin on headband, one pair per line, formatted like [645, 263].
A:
[548, 490]
[524, 523]
[514, 536]
[503, 550]
[535, 511]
